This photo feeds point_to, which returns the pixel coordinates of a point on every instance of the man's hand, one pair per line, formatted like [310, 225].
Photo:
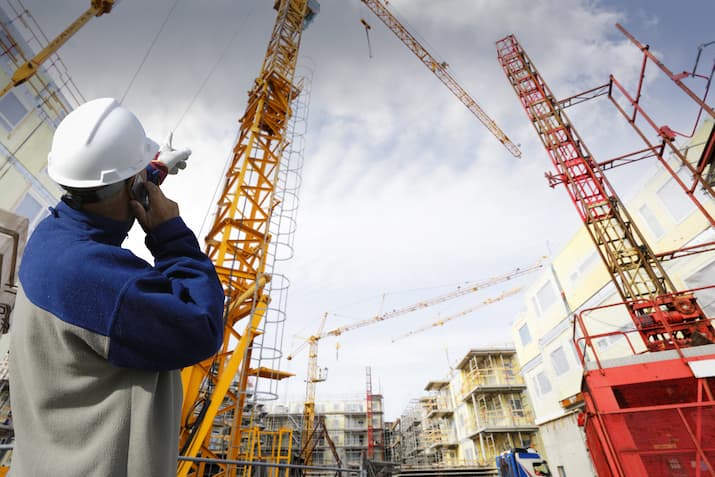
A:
[160, 210]
[167, 161]
[173, 159]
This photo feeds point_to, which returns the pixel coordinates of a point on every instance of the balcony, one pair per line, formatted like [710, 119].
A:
[491, 380]
[499, 421]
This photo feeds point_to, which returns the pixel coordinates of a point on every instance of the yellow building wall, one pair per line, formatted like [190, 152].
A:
[29, 144]
[33, 152]
[13, 186]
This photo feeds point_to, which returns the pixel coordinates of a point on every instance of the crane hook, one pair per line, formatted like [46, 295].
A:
[367, 34]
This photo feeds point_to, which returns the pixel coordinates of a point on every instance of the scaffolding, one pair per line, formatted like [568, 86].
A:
[500, 414]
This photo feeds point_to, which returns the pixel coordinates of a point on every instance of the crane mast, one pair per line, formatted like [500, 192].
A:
[315, 375]
[624, 434]
[439, 68]
[237, 243]
[664, 317]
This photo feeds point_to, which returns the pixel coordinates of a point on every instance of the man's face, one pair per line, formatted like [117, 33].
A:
[137, 189]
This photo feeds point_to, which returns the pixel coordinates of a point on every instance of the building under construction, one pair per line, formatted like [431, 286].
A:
[465, 421]
[343, 430]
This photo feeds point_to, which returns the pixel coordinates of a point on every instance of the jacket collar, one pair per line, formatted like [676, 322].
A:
[98, 227]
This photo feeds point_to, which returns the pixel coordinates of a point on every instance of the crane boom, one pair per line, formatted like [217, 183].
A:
[439, 68]
[474, 287]
[469, 310]
[25, 71]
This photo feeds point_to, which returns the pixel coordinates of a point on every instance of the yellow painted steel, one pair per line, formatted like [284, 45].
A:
[222, 386]
[237, 243]
[439, 68]
[24, 72]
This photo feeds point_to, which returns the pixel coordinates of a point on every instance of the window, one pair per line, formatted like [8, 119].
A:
[559, 361]
[585, 266]
[12, 111]
[541, 468]
[544, 383]
[29, 207]
[545, 297]
[678, 204]
[653, 223]
[516, 409]
[469, 454]
[524, 335]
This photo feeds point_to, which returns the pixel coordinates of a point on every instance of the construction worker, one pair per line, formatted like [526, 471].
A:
[99, 335]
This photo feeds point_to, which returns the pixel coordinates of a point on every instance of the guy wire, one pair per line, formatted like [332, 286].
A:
[148, 51]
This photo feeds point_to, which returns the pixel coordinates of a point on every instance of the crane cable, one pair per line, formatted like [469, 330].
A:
[148, 51]
[200, 89]
[211, 72]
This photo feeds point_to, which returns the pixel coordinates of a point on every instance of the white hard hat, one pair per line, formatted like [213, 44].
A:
[99, 143]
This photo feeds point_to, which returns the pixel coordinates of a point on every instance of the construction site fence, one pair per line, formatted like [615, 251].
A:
[248, 463]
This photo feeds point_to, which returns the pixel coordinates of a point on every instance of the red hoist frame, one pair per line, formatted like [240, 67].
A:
[651, 413]
[368, 411]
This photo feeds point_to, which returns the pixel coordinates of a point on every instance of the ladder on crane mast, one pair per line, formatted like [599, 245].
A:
[215, 391]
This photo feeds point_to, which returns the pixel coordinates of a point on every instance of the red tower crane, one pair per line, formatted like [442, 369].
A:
[647, 412]
[368, 411]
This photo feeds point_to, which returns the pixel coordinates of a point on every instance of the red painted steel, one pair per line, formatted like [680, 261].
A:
[368, 411]
[647, 414]
[665, 318]
[665, 132]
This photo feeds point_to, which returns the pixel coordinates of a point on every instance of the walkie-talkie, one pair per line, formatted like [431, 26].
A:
[139, 191]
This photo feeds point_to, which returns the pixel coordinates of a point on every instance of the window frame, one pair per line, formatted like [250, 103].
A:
[5, 120]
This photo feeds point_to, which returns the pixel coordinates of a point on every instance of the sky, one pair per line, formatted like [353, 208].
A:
[405, 195]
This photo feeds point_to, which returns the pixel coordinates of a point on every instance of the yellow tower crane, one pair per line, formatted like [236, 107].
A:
[467, 311]
[439, 68]
[316, 374]
[237, 243]
[24, 72]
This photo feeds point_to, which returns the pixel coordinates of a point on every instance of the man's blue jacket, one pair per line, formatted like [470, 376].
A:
[98, 337]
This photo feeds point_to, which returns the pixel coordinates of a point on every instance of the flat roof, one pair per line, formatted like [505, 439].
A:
[485, 352]
[436, 385]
